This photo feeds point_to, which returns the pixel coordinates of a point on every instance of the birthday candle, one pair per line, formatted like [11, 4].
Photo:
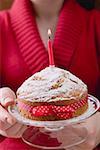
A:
[50, 49]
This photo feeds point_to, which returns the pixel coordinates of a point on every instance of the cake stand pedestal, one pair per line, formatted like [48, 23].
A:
[59, 139]
[59, 135]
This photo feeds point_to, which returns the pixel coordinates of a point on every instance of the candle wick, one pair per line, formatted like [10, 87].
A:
[49, 37]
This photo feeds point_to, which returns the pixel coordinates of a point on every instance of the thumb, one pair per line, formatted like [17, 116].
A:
[7, 101]
[7, 97]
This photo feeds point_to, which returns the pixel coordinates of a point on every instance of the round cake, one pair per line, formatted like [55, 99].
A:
[52, 94]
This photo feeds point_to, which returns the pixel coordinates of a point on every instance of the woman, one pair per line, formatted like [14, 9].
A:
[76, 44]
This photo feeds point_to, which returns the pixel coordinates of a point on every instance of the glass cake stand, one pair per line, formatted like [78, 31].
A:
[58, 135]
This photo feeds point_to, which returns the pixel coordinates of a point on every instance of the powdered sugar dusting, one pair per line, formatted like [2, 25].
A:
[51, 84]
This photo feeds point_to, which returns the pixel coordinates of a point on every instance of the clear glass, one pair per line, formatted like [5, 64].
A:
[60, 138]
[56, 134]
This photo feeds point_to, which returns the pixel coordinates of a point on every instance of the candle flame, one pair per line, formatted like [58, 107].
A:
[49, 33]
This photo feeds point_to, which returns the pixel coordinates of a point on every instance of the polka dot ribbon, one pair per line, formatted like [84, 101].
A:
[63, 112]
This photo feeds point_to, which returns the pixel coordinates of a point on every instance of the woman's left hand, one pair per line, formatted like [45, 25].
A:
[93, 126]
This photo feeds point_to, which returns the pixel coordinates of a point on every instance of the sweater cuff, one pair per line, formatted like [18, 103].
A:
[1, 138]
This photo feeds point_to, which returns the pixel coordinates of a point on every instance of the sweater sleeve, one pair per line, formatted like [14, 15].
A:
[1, 72]
[0, 49]
[97, 38]
[97, 27]
[2, 32]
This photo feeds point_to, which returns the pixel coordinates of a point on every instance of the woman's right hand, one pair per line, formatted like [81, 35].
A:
[9, 127]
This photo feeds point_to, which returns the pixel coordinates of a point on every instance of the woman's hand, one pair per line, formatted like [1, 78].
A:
[9, 127]
[93, 126]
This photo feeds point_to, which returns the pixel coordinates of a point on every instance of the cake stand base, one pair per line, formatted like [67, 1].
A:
[58, 138]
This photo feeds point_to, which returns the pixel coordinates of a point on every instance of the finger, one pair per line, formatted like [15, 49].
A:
[7, 92]
[7, 102]
[86, 145]
[12, 131]
[6, 117]
[7, 96]
[83, 147]
[4, 125]
[21, 131]
[10, 134]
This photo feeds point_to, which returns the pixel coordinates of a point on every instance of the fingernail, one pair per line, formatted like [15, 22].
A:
[11, 121]
[8, 101]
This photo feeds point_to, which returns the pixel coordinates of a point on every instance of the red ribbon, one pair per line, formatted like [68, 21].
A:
[64, 112]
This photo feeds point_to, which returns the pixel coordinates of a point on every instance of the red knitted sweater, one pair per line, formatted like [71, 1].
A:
[76, 48]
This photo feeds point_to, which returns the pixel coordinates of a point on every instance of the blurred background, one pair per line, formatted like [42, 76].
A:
[6, 4]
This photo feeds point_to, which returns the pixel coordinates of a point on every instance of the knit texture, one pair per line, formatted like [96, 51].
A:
[30, 44]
